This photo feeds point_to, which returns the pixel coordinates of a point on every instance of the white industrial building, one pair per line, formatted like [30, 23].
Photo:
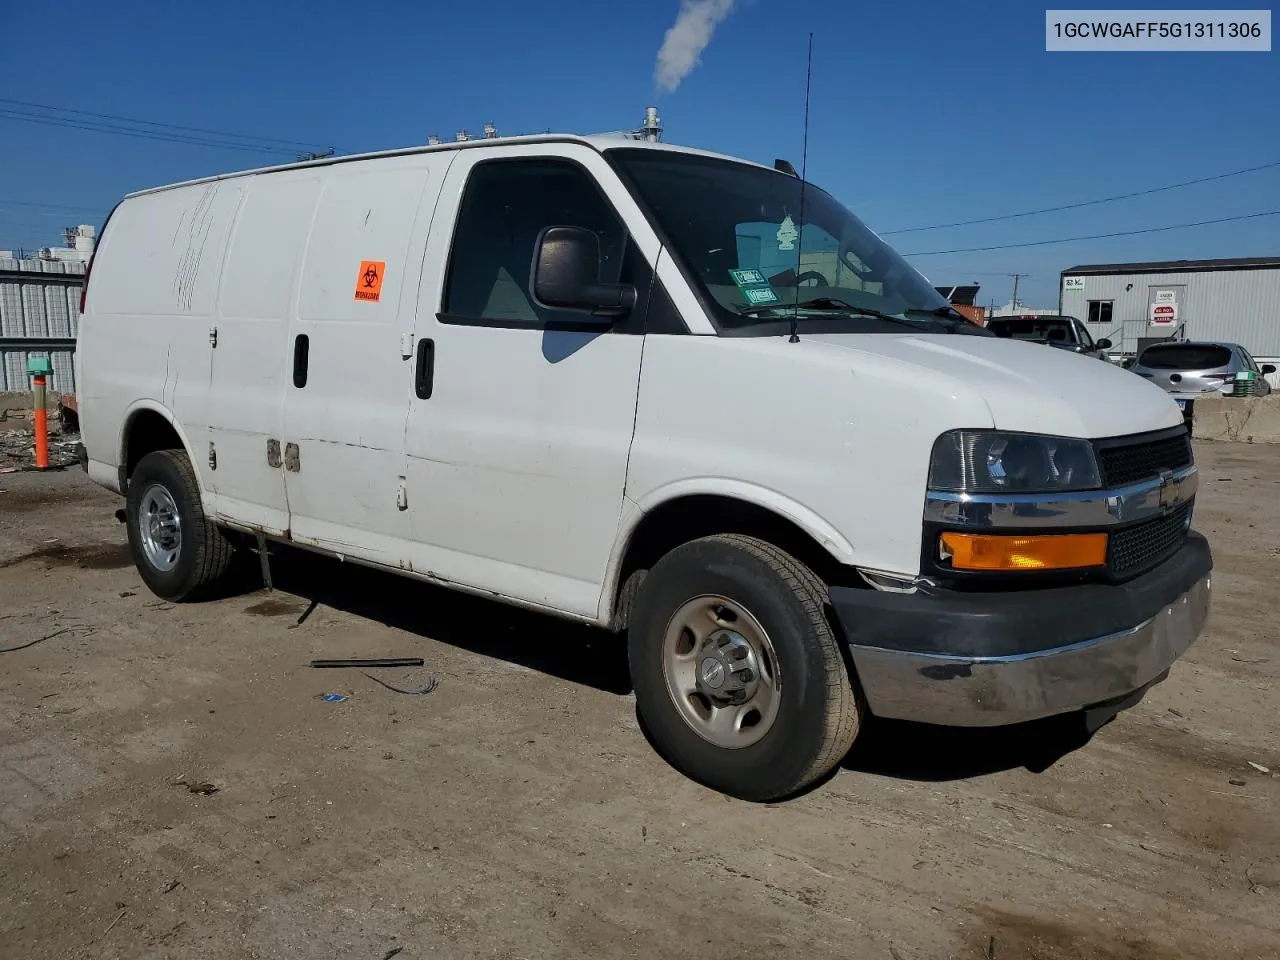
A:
[1135, 304]
[1018, 309]
[40, 310]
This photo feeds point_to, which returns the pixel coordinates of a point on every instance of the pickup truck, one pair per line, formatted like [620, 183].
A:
[1065, 333]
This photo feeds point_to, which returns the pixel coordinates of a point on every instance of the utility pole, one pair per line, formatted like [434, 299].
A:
[1016, 277]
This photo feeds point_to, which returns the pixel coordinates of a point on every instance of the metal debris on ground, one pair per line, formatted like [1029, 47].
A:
[311, 608]
[383, 662]
[204, 788]
[32, 643]
[18, 451]
[426, 688]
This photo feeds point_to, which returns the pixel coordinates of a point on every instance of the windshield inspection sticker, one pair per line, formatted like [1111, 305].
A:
[787, 234]
[754, 287]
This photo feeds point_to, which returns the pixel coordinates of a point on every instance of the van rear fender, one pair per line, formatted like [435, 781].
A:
[150, 426]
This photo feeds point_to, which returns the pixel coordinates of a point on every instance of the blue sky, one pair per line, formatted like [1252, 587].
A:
[922, 112]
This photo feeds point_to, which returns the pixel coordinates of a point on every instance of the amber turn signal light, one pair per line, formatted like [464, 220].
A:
[1064, 551]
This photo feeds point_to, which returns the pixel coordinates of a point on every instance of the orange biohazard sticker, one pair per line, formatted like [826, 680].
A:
[369, 280]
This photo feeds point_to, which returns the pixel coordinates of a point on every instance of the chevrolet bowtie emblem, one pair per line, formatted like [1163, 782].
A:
[1168, 490]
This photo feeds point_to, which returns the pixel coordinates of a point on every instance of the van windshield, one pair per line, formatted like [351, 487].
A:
[738, 232]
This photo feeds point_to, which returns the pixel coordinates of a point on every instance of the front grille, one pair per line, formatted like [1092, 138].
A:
[1131, 463]
[1143, 545]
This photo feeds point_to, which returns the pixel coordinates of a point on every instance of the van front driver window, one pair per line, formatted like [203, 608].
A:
[506, 204]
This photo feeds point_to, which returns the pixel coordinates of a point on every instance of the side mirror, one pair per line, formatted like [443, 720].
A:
[566, 275]
[1268, 368]
[1104, 344]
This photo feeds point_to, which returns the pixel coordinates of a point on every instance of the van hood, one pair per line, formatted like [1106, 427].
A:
[1026, 386]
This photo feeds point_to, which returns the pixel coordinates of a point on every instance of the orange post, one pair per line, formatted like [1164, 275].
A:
[42, 426]
[39, 368]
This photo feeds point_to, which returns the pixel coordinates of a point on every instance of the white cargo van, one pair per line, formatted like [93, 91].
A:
[634, 385]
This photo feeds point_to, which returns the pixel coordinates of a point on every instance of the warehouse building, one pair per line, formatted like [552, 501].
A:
[1136, 304]
[39, 315]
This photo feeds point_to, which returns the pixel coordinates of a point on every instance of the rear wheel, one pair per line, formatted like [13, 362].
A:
[178, 551]
[738, 675]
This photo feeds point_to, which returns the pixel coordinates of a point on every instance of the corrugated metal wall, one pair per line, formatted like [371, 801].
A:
[33, 304]
[1237, 306]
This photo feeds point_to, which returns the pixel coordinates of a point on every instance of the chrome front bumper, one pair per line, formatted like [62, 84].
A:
[978, 691]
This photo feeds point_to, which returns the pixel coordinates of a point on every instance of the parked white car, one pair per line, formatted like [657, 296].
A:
[626, 384]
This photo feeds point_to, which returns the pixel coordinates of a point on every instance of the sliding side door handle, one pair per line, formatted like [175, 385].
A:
[301, 355]
[425, 372]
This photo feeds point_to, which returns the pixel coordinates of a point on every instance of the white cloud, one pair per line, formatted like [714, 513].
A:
[687, 38]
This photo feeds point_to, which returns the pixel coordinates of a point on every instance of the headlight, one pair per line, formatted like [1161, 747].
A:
[991, 461]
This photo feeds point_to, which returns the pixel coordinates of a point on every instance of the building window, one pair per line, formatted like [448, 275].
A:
[1100, 311]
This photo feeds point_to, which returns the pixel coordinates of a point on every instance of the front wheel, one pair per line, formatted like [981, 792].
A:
[178, 551]
[737, 672]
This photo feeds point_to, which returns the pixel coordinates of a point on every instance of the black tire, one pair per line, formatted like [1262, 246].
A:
[819, 710]
[205, 552]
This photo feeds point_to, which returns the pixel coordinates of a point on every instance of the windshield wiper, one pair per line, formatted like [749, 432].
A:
[950, 318]
[825, 304]
[944, 313]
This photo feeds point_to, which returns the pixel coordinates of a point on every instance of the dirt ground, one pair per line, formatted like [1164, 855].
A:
[517, 811]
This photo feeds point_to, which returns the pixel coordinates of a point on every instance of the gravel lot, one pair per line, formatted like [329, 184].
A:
[517, 812]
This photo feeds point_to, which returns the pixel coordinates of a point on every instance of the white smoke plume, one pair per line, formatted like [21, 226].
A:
[687, 38]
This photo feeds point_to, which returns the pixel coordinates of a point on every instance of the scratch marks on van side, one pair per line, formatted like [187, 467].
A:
[165, 396]
[178, 229]
[194, 231]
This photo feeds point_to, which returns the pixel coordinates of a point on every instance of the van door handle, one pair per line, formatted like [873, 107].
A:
[424, 376]
[301, 353]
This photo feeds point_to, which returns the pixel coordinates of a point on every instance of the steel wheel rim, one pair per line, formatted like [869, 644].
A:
[159, 528]
[721, 671]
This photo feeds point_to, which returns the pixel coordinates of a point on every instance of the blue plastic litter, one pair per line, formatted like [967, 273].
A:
[330, 697]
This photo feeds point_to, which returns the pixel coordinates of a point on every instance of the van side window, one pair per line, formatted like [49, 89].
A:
[506, 204]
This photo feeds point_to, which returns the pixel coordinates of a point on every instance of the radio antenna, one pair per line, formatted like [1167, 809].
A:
[804, 170]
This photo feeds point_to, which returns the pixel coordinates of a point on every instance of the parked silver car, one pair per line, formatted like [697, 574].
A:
[1191, 369]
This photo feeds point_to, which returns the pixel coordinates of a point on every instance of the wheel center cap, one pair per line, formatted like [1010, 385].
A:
[712, 672]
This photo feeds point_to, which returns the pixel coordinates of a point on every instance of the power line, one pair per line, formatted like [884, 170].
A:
[1086, 203]
[155, 123]
[1095, 236]
[45, 206]
[95, 127]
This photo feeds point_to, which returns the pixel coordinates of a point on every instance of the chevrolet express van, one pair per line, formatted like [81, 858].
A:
[633, 385]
